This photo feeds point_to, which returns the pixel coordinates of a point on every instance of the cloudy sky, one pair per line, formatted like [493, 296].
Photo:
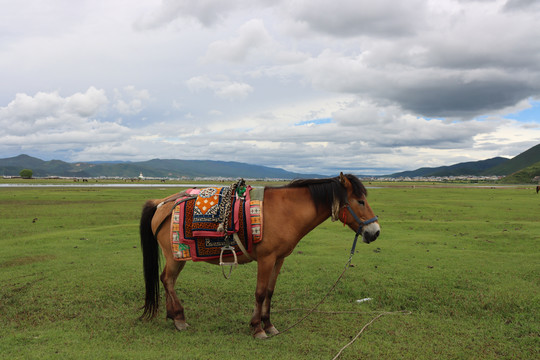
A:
[312, 86]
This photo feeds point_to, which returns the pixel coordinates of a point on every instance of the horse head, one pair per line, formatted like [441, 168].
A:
[355, 211]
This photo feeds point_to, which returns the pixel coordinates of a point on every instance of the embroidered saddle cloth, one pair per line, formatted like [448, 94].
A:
[196, 233]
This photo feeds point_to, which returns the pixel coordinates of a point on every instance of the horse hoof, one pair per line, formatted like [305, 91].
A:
[180, 325]
[260, 335]
[272, 331]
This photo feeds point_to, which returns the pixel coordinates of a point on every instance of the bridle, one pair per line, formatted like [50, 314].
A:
[360, 223]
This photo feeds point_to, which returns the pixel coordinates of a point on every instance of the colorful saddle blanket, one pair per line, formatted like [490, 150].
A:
[195, 225]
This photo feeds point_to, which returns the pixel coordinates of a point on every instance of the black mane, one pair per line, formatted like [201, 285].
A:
[324, 191]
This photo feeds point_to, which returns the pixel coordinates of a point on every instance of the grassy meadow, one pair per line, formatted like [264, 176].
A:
[456, 268]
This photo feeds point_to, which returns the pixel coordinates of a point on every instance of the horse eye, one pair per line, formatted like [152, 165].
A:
[361, 202]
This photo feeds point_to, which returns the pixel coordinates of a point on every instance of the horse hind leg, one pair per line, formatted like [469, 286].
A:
[175, 310]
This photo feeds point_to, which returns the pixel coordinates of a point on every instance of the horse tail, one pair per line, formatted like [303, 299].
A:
[150, 251]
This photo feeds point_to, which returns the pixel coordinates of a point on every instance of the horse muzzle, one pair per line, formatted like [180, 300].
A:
[371, 232]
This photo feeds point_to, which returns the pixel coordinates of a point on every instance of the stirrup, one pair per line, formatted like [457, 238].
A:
[230, 264]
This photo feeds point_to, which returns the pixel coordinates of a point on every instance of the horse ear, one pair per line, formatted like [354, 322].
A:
[344, 181]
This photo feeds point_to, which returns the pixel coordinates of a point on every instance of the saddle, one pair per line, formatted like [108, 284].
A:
[205, 220]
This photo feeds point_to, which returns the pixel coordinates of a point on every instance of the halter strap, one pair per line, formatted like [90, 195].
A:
[360, 228]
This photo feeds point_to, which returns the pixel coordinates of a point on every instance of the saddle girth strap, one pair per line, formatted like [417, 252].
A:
[241, 246]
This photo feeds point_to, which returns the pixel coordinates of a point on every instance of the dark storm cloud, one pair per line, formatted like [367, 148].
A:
[458, 99]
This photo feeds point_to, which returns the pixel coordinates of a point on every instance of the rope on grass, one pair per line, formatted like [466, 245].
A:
[314, 308]
[365, 326]
[401, 312]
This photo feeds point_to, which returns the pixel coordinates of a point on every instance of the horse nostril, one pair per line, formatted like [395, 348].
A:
[371, 237]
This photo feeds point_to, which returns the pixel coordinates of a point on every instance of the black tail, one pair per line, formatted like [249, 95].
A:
[150, 250]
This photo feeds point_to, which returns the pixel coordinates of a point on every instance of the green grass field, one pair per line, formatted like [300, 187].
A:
[465, 262]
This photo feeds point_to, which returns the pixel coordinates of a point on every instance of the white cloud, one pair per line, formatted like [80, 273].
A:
[49, 111]
[87, 104]
[253, 43]
[46, 120]
[224, 89]
[251, 35]
[207, 12]
[416, 83]
[130, 101]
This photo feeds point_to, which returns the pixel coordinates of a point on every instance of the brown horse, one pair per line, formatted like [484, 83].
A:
[537, 189]
[290, 212]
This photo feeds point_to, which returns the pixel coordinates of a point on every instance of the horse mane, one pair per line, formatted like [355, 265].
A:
[328, 191]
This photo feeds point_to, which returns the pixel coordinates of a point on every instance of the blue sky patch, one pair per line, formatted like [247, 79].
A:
[531, 114]
[315, 122]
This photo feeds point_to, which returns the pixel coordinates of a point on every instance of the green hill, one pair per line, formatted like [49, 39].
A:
[524, 176]
[517, 163]
[495, 166]
[466, 168]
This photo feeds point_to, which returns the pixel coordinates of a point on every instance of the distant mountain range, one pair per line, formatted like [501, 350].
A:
[159, 168]
[476, 168]
[522, 168]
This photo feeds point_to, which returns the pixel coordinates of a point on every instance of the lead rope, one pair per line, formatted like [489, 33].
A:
[365, 326]
[347, 265]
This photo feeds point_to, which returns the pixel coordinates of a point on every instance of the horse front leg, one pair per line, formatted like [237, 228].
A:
[175, 310]
[269, 328]
[264, 271]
